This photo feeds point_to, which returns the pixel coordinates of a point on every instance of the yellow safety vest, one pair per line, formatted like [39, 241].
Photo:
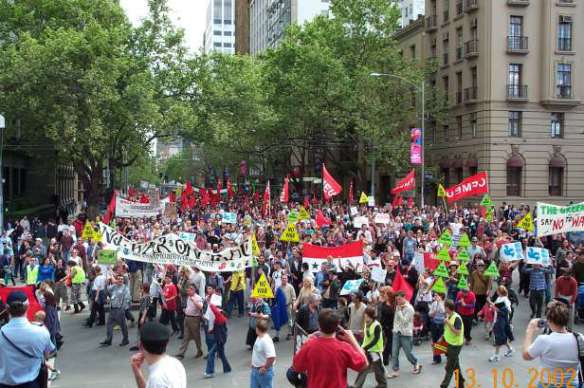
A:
[32, 275]
[450, 337]
[79, 276]
[369, 334]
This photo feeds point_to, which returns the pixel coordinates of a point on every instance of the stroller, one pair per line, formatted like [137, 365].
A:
[579, 313]
[418, 329]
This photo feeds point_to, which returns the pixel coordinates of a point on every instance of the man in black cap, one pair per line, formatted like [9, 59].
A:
[23, 346]
[163, 371]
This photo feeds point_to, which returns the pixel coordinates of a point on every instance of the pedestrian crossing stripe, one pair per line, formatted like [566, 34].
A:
[262, 288]
[290, 234]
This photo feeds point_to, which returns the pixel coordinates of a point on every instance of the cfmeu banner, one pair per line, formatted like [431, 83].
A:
[170, 248]
[553, 219]
[472, 186]
[125, 208]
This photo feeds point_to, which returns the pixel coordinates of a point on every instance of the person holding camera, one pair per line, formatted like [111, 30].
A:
[558, 349]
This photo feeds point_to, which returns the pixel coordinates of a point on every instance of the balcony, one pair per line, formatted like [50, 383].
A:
[521, 3]
[471, 95]
[516, 92]
[564, 91]
[431, 23]
[564, 44]
[471, 5]
[471, 48]
[517, 45]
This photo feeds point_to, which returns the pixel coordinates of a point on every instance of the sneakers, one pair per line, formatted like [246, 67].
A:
[208, 375]
[54, 374]
[509, 353]
[494, 358]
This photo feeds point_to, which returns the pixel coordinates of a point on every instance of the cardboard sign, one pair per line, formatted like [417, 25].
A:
[351, 286]
[378, 275]
[439, 286]
[293, 217]
[360, 221]
[526, 223]
[492, 271]
[354, 211]
[363, 199]
[303, 214]
[539, 256]
[107, 257]
[290, 234]
[262, 289]
[229, 218]
[382, 218]
[371, 201]
[88, 231]
[511, 252]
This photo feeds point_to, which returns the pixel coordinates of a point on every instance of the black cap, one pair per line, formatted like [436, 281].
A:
[154, 332]
[16, 297]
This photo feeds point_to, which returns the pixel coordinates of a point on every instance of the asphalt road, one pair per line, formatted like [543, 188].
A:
[84, 364]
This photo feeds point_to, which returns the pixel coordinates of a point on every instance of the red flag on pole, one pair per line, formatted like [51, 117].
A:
[219, 187]
[330, 187]
[284, 194]
[307, 201]
[472, 186]
[321, 219]
[410, 202]
[230, 192]
[351, 192]
[406, 184]
[400, 284]
[267, 199]
[397, 201]
[111, 209]
[204, 197]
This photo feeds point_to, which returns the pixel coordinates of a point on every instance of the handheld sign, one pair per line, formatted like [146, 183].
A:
[462, 270]
[443, 254]
[526, 223]
[486, 201]
[378, 275]
[462, 283]
[293, 217]
[107, 257]
[441, 191]
[88, 231]
[445, 238]
[262, 289]
[441, 271]
[490, 214]
[511, 252]
[463, 256]
[539, 256]
[351, 286]
[492, 271]
[290, 234]
[363, 199]
[464, 241]
[303, 214]
[229, 218]
[439, 286]
[255, 247]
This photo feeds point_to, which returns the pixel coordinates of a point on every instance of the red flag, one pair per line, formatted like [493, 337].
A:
[204, 196]
[284, 194]
[187, 198]
[144, 198]
[307, 201]
[351, 192]
[330, 187]
[410, 202]
[131, 192]
[230, 192]
[400, 284]
[33, 303]
[472, 186]
[430, 262]
[219, 187]
[111, 208]
[256, 197]
[214, 197]
[397, 201]
[321, 219]
[267, 199]
[172, 197]
[406, 184]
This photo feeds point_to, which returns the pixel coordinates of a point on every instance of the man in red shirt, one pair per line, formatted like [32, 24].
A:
[170, 294]
[327, 355]
[465, 307]
[567, 289]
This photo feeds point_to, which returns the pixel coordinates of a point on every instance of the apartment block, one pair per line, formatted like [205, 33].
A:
[410, 10]
[512, 72]
[220, 30]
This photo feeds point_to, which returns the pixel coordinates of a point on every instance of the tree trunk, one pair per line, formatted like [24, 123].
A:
[92, 182]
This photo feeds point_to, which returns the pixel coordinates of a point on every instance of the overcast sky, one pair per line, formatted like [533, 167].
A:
[188, 14]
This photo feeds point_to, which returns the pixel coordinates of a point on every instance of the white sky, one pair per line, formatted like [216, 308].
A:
[190, 15]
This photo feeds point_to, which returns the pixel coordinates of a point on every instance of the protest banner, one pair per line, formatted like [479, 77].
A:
[129, 209]
[381, 218]
[553, 219]
[351, 253]
[406, 184]
[472, 186]
[511, 252]
[171, 249]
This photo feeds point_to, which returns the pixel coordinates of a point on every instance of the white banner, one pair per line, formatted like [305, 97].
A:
[170, 248]
[511, 252]
[553, 219]
[129, 209]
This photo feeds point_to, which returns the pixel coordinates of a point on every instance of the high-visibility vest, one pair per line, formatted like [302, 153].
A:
[79, 276]
[369, 336]
[450, 336]
[32, 275]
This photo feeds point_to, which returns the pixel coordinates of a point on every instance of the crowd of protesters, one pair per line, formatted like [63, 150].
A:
[371, 325]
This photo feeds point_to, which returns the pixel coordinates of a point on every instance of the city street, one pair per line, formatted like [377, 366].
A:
[83, 363]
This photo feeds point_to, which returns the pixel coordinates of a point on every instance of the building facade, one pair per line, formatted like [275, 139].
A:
[268, 19]
[220, 30]
[410, 10]
[509, 71]
[242, 26]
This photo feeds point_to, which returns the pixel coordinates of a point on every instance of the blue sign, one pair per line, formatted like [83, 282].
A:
[511, 252]
[229, 218]
[539, 256]
[351, 286]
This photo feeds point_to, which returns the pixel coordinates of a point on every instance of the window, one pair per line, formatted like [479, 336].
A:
[459, 44]
[556, 181]
[514, 124]
[227, 44]
[514, 174]
[564, 80]
[217, 44]
[432, 7]
[459, 88]
[216, 21]
[227, 33]
[515, 40]
[446, 175]
[227, 21]
[434, 134]
[215, 32]
[433, 49]
[473, 124]
[445, 129]
[445, 46]
[446, 12]
[514, 79]
[459, 127]
[474, 29]
[413, 51]
[446, 91]
[565, 33]
[473, 170]
[458, 173]
[557, 125]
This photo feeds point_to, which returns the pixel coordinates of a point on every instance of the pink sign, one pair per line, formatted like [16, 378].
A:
[416, 147]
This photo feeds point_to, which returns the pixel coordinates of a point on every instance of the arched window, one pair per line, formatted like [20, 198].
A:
[515, 175]
[557, 166]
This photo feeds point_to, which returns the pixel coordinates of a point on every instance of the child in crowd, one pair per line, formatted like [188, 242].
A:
[487, 314]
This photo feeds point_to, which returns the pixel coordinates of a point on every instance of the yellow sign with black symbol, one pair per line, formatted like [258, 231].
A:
[262, 288]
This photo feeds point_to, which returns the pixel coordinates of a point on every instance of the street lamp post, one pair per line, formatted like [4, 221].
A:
[421, 90]
[2, 126]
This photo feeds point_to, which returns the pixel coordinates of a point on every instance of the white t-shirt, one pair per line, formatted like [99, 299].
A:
[167, 372]
[263, 349]
[556, 350]
[99, 282]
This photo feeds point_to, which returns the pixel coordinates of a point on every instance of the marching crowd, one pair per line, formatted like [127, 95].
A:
[364, 329]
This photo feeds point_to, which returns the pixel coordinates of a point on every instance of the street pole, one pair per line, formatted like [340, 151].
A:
[2, 126]
[423, 145]
[373, 175]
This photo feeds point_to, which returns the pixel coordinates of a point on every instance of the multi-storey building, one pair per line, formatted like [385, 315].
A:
[410, 10]
[508, 70]
[268, 19]
[242, 26]
[220, 31]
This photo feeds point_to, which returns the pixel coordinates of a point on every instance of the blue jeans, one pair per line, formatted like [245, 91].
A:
[404, 342]
[220, 349]
[259, 380]
[235, 297]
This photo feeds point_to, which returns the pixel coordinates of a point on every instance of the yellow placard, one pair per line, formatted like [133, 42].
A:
[262, 288]
[88, 231]
[255, 248]
[290, 234]
[303, 214]
[441, 191]
[364, 199]
[526, 223]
